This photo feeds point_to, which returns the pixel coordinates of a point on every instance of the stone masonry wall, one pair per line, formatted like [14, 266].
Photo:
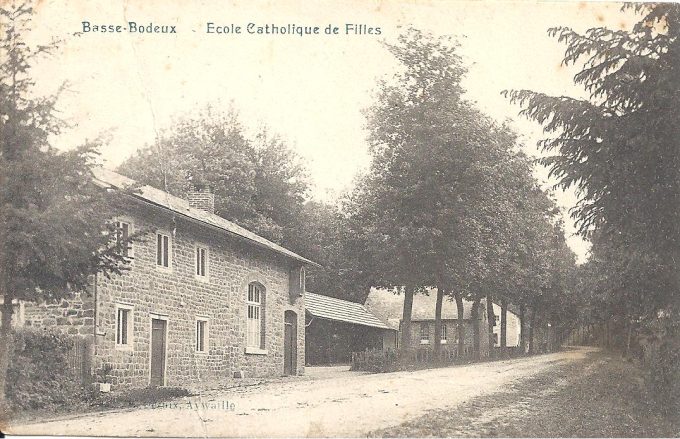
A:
[451, 333]
[177, 295]
[72, 316]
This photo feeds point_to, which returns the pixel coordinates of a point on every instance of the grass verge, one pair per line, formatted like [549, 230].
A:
[603, 396]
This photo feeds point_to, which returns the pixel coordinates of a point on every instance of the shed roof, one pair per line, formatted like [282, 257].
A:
[341, 310]
[180, 206]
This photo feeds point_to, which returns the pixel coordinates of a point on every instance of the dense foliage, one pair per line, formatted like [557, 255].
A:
[620, 147]
[39, 376]
[258, 181]
[46, 250]
[261, 184]
[449, 202]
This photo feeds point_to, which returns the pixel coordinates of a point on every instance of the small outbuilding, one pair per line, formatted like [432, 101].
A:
[388, 306]
[335, 328]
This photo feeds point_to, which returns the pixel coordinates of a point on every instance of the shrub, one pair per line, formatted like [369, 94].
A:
[374, 360]
[661, 347]
[39, 376]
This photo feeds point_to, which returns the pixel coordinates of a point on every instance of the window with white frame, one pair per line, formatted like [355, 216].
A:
[124, 325]
[443, 334]
[424, 333]
[201, 262]
[123, 232]
[255, 325]
[163, 250]
[201, 335]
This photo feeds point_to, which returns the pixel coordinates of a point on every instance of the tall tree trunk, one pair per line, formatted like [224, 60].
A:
[438, 322]
[491, 323]
[532, 324]
[504, 326]
[522, 329]
[406, 319]
[475, 330]
[626, 352]
[461, 324]
[5, 348]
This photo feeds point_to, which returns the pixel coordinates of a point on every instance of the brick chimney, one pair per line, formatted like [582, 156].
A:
[202, 199]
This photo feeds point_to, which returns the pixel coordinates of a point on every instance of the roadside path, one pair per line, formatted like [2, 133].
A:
[603, 396]
[352, 405]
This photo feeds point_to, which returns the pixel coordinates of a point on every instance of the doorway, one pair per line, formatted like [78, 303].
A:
[158, 348]
[290, 343]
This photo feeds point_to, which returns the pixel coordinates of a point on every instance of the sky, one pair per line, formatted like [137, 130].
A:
[309, 89]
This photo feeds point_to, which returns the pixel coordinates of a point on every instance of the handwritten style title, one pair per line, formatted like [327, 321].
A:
[293, 29]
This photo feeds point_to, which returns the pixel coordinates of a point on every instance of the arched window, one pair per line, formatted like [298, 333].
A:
[255, 325]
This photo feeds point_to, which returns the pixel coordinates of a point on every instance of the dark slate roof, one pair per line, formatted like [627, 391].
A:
[180, 206]
[389, 306]
[341, 310]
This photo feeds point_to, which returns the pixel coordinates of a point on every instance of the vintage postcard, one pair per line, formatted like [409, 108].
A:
[397, 218]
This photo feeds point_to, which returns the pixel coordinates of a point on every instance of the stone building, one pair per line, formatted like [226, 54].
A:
[388, 306]
[203, 300]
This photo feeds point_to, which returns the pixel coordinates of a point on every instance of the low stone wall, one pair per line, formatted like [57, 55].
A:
[72, 316]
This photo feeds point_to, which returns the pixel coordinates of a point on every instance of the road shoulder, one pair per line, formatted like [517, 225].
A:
[601, 396]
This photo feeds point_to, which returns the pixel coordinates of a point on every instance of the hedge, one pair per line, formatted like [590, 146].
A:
[39, 376]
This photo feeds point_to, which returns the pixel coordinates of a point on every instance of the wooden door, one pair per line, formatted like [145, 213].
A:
[158, 346]
[290, 343]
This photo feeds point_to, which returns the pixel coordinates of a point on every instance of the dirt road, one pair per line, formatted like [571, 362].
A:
[351, 405]
[603, 396]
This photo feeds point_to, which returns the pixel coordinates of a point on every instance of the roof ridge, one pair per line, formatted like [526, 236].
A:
[181, 206]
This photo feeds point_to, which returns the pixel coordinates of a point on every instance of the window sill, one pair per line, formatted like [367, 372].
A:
[124, 347]
[204, 279]
[424, 341]
[164, 269]
[201, 353]
[442, 342]
[255, 351]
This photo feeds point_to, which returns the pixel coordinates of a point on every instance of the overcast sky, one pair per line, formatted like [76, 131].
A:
[309, 89]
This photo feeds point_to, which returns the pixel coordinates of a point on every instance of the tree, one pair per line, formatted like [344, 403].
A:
[440, 198]
[619, 147]
[421, 135]
[329, 236]
[54, 225]
[259, 183]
